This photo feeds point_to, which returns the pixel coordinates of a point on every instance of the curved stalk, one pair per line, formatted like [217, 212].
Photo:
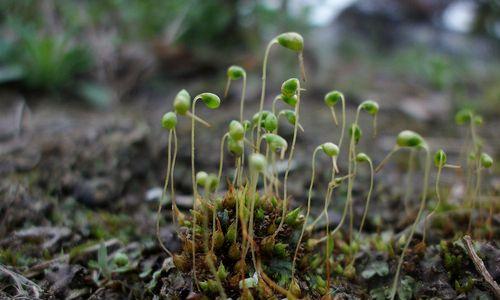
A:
[476, 195]
[263, 92]
[243, 92]
[289, 163]
[343, 122]
[172, 186]
[309, 195]
[160, 204]
[367, 197]
[438, 196]
[221, 158]
[414, 226]
[195, 190]
[409, 181]
[327, 245]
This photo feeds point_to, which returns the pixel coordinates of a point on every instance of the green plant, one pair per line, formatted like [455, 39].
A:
[410, 139]
[248, 243]
[106, 266]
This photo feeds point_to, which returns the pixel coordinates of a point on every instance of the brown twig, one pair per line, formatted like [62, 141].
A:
[481, 269]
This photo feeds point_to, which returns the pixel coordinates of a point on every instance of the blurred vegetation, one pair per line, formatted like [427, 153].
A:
[54, 45]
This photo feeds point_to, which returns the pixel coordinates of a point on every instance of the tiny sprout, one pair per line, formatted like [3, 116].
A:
[486, 160]
[257, 162]
[289, 87]
[182, 102]
[169, 120]
[291, 40]
[355, 132]
[362, 157]
[408, 138]
[221, 272]
[440, 158]
[120, 259]
[235, 72]
[212, 101]
[236, 130]
[330, 149]
[201, 178]
[271, 123]
[463, 116]
[235, 147]
[370, 107]
[333, 97]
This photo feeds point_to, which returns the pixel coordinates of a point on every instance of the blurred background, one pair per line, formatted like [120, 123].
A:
[83, 85]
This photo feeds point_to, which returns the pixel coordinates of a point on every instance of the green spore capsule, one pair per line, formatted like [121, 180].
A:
[201, 178]
[370, 106]
[289, 115]
[247, 125]
[333, 98]
[440, 158]
[463, 116]
[486, 160]
[362, 157]
[275, 142]
[291, 40]
[355, 132]
[292, 101]
[257, 162]
[271, 123]
[169, 120]
[120, 260]
[235, 72]
[236, 130]
[211, 100]
[408, 138]
[290, 87]
[235, 147]
[264, 113]
[330, 149]
[182, 102]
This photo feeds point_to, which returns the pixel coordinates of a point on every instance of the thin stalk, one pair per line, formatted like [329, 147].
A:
[172, 186]
[289, 163]
[209, 253]
[309, 195]
[274, 172]
[197, 119]
[253, 193]
[328, 196]
[414, 226]
[409, 181]
[352, 170]
[438, 197]
[327, 246]
[343, 122]
[386, 159]
[476, 195]
[243, 92]
[221, 157]
[263, 92]
[160, 204]
[195, 190]
[368, 197]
